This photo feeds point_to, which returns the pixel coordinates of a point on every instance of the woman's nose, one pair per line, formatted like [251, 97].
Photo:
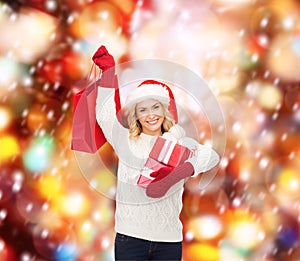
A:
[151, 114]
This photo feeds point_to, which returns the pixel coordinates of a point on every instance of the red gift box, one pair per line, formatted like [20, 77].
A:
[169, 152]
[165, 152]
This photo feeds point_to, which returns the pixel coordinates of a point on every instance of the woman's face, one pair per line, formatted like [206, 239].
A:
[150, 113]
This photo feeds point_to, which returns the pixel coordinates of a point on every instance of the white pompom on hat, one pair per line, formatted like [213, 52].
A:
[152, 89]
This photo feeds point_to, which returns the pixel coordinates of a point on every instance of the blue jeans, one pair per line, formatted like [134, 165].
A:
[131, 248]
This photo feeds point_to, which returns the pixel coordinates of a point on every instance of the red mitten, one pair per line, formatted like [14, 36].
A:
[162, 172]
[106, 63]
[165, 179]
[103, 59]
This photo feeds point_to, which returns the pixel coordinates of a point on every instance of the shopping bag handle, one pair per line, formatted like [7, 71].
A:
[92, 76]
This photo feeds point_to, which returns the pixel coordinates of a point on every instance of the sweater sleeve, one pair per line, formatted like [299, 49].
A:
[114, 132]
[203, 158]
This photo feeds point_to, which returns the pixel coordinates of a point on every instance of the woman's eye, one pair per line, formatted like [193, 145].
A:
[156, 107]
[142, 110]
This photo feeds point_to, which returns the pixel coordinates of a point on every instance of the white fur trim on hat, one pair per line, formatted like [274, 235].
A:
[148, 91]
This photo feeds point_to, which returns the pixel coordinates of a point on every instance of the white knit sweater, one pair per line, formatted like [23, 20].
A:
[138, 215]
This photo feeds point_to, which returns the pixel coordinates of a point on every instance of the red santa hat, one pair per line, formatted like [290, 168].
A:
[152, 89]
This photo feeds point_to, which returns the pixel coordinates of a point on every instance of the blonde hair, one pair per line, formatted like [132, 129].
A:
[135, 127]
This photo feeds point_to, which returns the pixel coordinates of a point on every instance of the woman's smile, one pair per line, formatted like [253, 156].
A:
[152, 121]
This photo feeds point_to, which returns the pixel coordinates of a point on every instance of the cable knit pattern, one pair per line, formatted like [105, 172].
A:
[136, 214]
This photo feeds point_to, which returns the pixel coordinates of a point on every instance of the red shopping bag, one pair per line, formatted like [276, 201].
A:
[87, 136]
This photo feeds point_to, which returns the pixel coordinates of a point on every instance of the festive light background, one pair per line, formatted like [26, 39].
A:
[249, 53]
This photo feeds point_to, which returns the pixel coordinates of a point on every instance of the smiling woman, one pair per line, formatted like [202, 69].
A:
[147, 215]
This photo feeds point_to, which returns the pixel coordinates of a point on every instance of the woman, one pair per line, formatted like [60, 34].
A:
[147, 220]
